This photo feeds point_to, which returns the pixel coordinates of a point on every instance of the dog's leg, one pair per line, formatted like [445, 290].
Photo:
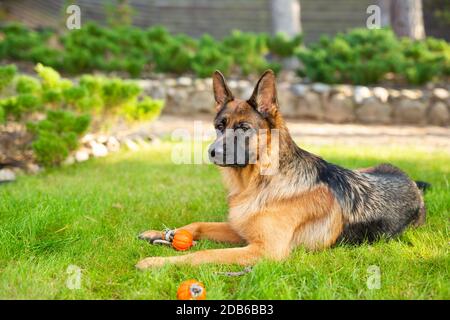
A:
[271, 239]
[216, 231]
[244, 256]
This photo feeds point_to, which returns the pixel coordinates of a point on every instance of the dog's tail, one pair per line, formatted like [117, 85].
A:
[422, 212]
[423, 186]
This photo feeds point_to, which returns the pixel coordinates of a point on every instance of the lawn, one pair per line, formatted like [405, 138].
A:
[89, 215]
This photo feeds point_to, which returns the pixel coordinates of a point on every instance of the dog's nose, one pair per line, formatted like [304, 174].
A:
[216, 154]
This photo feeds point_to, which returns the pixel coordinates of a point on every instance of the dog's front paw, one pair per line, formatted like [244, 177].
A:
[152, 262]
[151, 235]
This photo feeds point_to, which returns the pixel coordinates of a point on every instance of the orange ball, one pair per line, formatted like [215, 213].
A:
[191, 290]
[182, 240]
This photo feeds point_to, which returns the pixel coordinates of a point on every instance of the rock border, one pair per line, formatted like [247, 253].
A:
[427, 105]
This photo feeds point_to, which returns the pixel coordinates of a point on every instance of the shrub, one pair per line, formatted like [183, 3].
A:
[2, 115]
[210, 57]
[364, 56]
[7, 74]
[27, 84]
[146, 109]
[174, 55]
[247, 50]
[57, 135]
[281, 46]
[359, 57]
[117, 93]
[19, 42]
[10, 107]
[425, 60]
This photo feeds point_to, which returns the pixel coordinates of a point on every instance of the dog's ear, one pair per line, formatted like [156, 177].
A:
[222, 94]
[264, 97]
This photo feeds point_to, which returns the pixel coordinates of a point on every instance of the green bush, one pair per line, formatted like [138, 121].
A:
[57, 135]
[281, 46]
[364, 56]
[61, 100]
[247, 50]
[426, 60]
[210, 57]
[125, 48]
[2, 115]
[7, 74]
[27, 84]
[10, 107]
[361, 56]
[146, 109]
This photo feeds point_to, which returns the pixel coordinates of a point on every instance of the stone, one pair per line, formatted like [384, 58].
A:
[411, 94]
[345, 89]
[287, 102]
[7, 175]
[310, 106]
[200, 101]
[170, 82]
[142, 141]
[300, 89]
[393, 93]
[102, 139]
[176, 101]
[113, 144]
[184, 81]
[203, 84]
[441, 93]
[360, 93]
[157, 92]
[439, 114]
[246, 92]
[82, 155]
[98, 149]
[408, 111]
[87, 138]
[133, 146]
[381, 93]
[243, 83]
[69, 160]
[145, 84]
[232, 84]
[320, 88]
[339, 108]
[373, 110]
[33, 168]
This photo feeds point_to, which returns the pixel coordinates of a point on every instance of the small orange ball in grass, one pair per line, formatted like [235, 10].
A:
[182, 240]
[191, 290]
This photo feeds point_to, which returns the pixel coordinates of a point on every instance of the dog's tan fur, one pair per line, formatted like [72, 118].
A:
[269, 220]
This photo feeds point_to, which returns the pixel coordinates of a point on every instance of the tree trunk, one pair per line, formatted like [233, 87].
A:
[385, 8]
[286, 17]
[407, 18]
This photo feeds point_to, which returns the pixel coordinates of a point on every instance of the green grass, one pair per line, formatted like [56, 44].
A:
[89, 214]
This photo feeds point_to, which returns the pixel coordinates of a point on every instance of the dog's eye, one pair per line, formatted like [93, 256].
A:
[220, 127]
[244, 127]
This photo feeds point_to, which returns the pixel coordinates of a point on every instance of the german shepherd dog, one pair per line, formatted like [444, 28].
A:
[309, 202]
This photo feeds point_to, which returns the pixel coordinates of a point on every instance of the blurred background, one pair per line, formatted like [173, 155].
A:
[218, 18]
[81, 78]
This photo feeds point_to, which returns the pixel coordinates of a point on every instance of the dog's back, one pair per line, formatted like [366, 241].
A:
[385, 201]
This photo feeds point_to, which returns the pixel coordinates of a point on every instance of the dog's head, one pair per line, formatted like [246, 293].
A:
[241, 125]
